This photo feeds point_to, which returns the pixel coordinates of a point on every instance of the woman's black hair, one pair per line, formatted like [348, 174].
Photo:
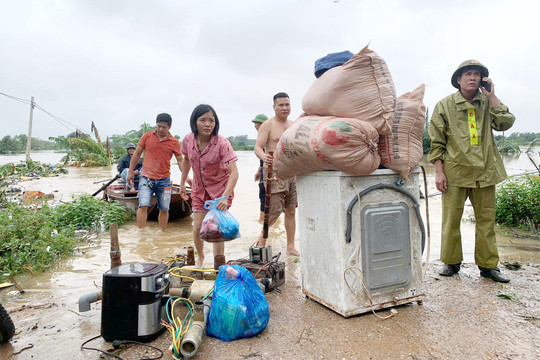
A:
[197, 113]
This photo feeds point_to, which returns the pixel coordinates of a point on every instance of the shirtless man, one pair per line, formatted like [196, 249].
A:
[283, 191]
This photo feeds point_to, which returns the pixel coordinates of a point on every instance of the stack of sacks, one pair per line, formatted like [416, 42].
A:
[347, 108]
[362, 89]
[403, 150]
[315, 143]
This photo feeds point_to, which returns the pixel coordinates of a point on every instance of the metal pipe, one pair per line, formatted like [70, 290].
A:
[193, 338]
[182, 292]
[87, 299]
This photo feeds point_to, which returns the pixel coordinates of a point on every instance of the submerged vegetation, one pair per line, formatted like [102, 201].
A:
[508, 147]
[82, 150]
[32, 238]
[30, 168]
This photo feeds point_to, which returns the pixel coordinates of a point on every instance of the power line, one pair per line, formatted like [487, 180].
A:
[36, 105]
[59, 120]
[27, 102]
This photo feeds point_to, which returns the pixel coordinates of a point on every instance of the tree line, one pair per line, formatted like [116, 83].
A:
[17, 144]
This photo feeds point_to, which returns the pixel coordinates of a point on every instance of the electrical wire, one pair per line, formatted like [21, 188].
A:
[181, 259]
[60, 120]
[37, 106]
[94, 349]
[265, 265]
[207, 295]
[178, 328]
[182, 276]
[116, 344]
[194, 270]
[427, 224]
[24, 101]
[203, 270]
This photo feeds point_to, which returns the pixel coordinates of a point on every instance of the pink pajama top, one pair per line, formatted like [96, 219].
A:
[210, 173]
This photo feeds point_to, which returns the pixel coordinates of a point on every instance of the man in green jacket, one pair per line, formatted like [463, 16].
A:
[468, 165]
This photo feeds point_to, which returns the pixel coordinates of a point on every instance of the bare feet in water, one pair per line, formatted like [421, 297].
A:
[293, 252]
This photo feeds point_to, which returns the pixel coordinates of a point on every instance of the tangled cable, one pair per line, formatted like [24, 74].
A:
[176, 327]
[117, 343]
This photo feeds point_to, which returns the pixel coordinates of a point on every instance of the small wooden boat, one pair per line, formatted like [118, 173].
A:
[178, 208]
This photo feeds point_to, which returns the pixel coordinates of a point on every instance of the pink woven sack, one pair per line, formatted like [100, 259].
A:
[403, 150]
[362, 88]
[315, 143]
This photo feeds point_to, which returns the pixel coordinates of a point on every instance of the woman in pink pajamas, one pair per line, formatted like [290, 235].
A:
[215, 174]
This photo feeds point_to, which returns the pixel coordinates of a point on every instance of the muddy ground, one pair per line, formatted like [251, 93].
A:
[461, 318]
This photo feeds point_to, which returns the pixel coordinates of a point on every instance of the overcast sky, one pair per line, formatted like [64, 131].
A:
[120, 63]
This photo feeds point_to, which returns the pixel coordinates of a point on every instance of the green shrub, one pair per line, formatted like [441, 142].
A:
[35, 238]
[30, 239]
[89, 213]
[518, 203]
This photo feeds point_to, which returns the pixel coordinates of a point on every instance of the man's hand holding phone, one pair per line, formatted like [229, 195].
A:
[486, 84]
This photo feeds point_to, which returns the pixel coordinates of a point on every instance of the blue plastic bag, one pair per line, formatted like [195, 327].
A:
[239, 308]
[218, 225]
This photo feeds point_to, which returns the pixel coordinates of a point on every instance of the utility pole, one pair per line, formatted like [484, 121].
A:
[29, 140]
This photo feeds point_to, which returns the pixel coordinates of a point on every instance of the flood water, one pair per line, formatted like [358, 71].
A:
[152, 245]
[67, 280]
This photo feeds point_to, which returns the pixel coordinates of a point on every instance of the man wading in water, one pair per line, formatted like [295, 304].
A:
[283, 191]
[159, 146]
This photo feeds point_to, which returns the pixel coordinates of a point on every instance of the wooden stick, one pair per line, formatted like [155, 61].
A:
[104, 186]
[115, 247]
[267, 198]
[21, 290]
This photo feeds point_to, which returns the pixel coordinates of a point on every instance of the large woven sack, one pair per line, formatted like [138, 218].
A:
[362, 88]
[315, 143]
[403, 150]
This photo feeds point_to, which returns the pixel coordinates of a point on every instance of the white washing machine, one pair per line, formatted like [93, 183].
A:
[361, 239]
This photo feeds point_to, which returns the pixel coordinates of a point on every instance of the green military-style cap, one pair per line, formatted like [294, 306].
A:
[260, 118]
[468, 64]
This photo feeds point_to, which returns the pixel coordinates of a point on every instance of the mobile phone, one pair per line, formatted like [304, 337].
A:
[486, 85]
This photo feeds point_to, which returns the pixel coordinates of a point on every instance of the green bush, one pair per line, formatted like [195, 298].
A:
[89, 213]
[518, 203]
[31, 239]
[35, 238]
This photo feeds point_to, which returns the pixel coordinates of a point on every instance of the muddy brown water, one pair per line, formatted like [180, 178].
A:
[461, 317]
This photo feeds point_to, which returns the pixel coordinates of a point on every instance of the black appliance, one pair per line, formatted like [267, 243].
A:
[132, 302]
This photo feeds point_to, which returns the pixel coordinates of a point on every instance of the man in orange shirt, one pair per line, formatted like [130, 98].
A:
[159, 146]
